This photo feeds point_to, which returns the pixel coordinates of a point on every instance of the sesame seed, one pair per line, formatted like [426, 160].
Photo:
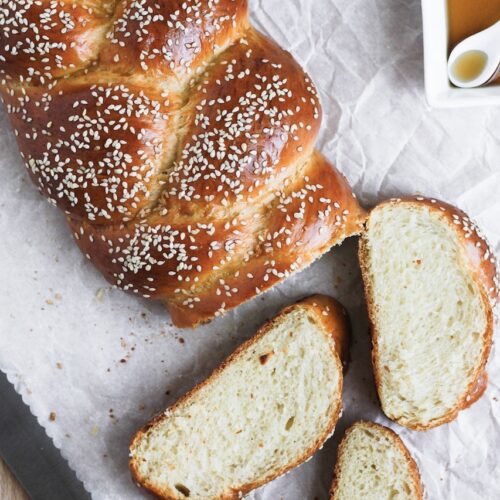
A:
[177, 197]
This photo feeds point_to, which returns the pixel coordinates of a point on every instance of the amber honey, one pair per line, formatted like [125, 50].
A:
[467, 17]
[469, 65]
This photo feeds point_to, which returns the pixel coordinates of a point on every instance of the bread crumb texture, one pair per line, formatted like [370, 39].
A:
[251, 421]
[429, 313]
[374, 464]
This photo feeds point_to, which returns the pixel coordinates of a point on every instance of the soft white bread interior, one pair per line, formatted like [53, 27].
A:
[374, 464]
[266, 409]
[430, 282]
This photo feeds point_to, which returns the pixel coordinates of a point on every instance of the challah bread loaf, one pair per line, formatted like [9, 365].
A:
[374, 464]
[431, 284]
[179, 142]
[270, 406]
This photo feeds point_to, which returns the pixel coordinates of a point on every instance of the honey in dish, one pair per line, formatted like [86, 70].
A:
[467, 17]
[469, 65]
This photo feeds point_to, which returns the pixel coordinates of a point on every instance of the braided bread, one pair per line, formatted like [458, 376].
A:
[178, 141]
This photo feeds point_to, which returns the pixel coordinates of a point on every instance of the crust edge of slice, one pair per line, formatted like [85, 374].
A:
[484, 271]
[396, 440]
[334, 321]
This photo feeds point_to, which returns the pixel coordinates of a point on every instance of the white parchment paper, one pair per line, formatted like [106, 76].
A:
[103, 362]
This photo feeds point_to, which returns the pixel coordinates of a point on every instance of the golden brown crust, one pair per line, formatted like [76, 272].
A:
[179, 141]
[328, 313]
[161, 38]
[262, 246]
[478, 390]
[126, 165]
[335, 319]
[241, 95]
[415, 474]
[483, 268]
[481, 257]
[44, 40]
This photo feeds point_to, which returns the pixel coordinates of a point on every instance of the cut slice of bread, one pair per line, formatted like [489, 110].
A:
[270, 406]
[374, 464]
[431, 284]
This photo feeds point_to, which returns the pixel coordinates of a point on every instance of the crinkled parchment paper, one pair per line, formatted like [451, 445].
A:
[104, 362]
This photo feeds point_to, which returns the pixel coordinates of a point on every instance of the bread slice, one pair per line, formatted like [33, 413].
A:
[270, 406]
[374, 464]
[431, 284]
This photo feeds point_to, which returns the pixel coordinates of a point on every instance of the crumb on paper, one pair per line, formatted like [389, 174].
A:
[56, 296]
[59, 365]
[52, 416]
[99, 294]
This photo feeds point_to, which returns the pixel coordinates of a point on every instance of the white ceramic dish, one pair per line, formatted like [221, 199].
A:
[440, 92]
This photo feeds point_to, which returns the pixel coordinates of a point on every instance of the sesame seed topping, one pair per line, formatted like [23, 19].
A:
[178, 141]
